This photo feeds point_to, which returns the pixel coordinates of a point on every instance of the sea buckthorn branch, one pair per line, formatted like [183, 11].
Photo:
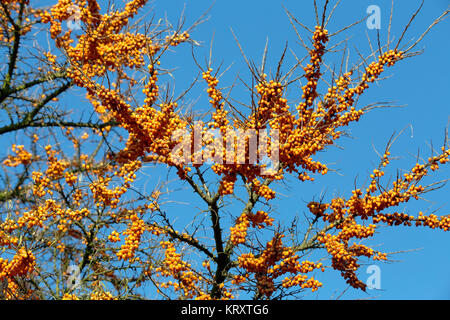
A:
[186, 238]
[29, 118]
[86, 67]
[15, 85]
[147, 126]
[312, 71]
[168, 229]
[12, 271]
[188, 283]
[6, 92]
[18, 190]
[266, 268]
[17, 26]
[253, 199]
[223, 259]
[20, 82]
[331, 115]
[214, 215]
[222, 271]
[345, 260]
[341, 98]
[267, 283]
[328, 113]
[344, 213]
[343, 255]
[201, 191]
[55, 210]
[271, 111]
[202, 180]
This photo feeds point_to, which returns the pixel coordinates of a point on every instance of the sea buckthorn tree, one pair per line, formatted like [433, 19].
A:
[78, 226]
[44, 161]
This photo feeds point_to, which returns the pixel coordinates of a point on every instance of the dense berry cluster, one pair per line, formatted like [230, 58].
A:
[277, 260]
[21, 157]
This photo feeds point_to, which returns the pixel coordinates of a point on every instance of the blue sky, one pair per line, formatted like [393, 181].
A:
[420, 83]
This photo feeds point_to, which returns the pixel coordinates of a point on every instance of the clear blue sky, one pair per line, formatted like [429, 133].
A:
[420, 83]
